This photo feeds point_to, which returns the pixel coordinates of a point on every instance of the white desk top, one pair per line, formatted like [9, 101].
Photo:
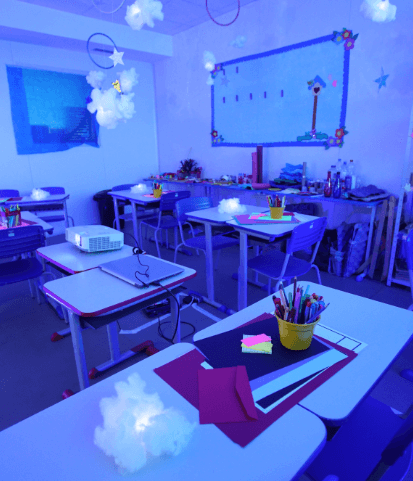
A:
[27, 199]
[71, 259]
[95, 292]
[138, 198]
[357, 317]
[57, 443]
[270, 230]
[213, 216]
[33, 218]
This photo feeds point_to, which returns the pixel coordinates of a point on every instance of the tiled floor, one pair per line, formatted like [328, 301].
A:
[35, 371]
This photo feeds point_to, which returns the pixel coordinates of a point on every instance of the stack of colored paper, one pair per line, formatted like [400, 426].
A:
[260, 344]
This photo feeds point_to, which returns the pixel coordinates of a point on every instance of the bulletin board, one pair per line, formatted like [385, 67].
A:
[291, 96]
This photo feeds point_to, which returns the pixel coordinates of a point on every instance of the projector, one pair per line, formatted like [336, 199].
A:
[94, 238]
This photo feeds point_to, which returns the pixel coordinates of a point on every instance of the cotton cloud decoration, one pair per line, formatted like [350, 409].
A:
[95, 79]
[209, 61]
[231, 206]
[143, 11]
[239, 41]
[136, 424]
[110, 106]
[378, 10]
[139, 189]
[39, 194]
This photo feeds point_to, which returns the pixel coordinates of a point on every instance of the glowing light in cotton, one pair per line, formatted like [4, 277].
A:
[39, 194]
[143, 12]
[136, 424]
[378, 10]
[139, 189]
[231, 206]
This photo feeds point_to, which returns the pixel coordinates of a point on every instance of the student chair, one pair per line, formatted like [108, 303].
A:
[284, 267]
[165, 222]
[374, 443]
[9, 193]
[219, 242]
[57, 217]
[123, 203]
[21, 241]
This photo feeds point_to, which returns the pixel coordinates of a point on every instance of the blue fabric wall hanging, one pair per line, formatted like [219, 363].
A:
[49, 111]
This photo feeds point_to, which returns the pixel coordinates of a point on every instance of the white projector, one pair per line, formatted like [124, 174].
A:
[94, 238]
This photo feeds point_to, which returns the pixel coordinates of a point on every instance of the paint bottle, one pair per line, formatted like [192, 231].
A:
[343, 177]
[328, 185]
[351, 177]
[337, 187]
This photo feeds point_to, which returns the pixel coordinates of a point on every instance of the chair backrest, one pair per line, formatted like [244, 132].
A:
[191, 204]
[9, 193]
[307, 234]
[54, 190]
[168, 201]
[123, 187]
[18, 240]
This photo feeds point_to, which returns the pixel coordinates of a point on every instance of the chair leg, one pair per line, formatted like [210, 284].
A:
[157, 243]
[277, 286]
[217, 259]
[37, 291]
[176, 251]
[31, 289]
[167, 238]
[318, 273]
[269, 286]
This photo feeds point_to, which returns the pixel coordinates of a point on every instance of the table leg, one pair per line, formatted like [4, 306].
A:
[135, 222]
[243, 271]
[78, 350]
[209, 262]
[369, 241]
[113, 338]
[66, 216]
[116, 209]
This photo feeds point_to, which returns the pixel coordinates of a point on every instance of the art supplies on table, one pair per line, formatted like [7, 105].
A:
[163, 192]
[10, 216]
[256, 344]
[265, 218]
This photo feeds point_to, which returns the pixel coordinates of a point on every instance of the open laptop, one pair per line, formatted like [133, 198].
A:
[157, 269]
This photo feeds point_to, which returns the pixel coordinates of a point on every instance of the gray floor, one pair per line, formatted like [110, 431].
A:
[35, 371]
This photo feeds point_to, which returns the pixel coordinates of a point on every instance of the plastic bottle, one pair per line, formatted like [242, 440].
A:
[328, 185]
[337, 187]
[351, 177]
[343, 175]
[339, 165]
[333, 175]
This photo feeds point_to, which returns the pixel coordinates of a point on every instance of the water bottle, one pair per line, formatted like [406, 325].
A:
[343, 177]
[328, 185]
[351, 177]
[333, 174]
[339, 165]
[337, 187]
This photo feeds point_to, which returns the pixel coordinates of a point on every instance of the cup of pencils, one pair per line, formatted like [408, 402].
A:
[297, 315]
[157, 190]
[276, 206]
[10, 217]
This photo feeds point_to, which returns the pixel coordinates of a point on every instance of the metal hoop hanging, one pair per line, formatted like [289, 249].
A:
[223, 24]
[90, 56]
[113, 11]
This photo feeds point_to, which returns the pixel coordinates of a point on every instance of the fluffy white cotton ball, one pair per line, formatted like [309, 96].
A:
[136, 424]
[143, 11]
[209, 61]
[96, 96]
[95, 79]
[128, 79]
[210, 80]
[231, 206]
[108, 99]
[239, 41]
[125, 106]
[106, 118]
[378, 10]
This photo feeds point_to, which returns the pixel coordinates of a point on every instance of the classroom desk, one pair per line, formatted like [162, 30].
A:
[36, 205]
[29, 216]
[147, 203]
[93, 293]
[212, 217]
[357, 317]
[57, 443]
[269, 232]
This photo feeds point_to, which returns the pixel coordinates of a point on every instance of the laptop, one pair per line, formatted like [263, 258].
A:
[156, 269]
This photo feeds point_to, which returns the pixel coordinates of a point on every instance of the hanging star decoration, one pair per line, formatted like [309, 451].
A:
[224, 81]
[382, 79]
[117, 57]
[116, 85]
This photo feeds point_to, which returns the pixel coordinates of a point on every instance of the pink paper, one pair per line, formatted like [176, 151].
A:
[251, 341]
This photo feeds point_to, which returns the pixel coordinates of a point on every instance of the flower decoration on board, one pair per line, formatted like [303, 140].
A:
[143, 12]
[378, 10]
[345, 36]
[216, 139]
[336, 141]
[382, 79]
[114, 104]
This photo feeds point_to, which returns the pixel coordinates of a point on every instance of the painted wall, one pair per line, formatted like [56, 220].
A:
[377, 121]
[126, 154]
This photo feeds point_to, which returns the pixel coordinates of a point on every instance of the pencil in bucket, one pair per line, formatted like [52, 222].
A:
[296, 337]
[276, 207]
[157, 190]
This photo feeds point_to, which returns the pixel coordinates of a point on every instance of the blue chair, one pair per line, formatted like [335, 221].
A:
[21, 241]
[373, 444]
[284, 267]
[124, 203]
[9, 193]
[165, 222]
[219, 242]
[57, 217]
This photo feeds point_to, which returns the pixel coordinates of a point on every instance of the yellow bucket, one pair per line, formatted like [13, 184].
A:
[296, 337]
[277, 212]
[157, 193]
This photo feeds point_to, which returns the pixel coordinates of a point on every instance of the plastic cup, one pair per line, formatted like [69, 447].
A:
[277, 212]
[157, 193]
[296, 337]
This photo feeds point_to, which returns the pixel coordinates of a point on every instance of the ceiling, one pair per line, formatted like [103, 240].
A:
[179, 15]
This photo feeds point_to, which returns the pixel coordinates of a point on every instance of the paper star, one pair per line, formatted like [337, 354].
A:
[117, 57]
[382, 80]
[224, 81]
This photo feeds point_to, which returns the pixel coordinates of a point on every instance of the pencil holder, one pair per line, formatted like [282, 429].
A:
[157, 193]
[277, 212]
[296, 337]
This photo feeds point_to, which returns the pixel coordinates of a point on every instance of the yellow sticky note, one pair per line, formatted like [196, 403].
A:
[262, 346]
